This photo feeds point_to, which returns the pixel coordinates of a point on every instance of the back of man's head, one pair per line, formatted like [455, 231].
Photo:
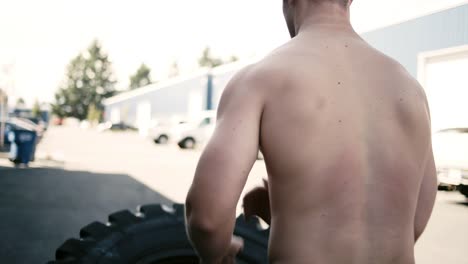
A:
[295, 10]
[341, 2]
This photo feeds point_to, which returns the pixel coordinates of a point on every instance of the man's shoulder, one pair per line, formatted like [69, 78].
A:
[264, 74]
[390, 67]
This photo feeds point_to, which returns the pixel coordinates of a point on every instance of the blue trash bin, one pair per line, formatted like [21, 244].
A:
[23, 145]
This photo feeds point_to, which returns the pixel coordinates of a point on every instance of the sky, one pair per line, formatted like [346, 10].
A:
[39, 38]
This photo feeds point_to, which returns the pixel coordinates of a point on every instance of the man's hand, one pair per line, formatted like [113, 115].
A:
[236, 246]
[257, 202]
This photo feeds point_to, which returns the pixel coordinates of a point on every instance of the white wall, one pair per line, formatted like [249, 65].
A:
[445, 80]
[139, 108]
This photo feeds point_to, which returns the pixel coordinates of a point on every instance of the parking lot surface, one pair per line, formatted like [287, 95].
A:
[90, 175]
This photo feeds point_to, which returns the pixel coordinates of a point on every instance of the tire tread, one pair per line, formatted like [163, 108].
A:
[92, 236]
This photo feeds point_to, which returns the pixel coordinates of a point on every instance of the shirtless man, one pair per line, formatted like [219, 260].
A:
[345, 132]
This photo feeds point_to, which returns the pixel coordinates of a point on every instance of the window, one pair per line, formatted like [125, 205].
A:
[206, 121]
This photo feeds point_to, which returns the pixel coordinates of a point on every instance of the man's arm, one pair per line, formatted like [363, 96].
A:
[428, 188]
[427, 195]
[224, 166]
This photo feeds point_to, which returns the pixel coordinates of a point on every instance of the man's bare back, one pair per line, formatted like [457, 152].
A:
[345, 132]
[345, 140]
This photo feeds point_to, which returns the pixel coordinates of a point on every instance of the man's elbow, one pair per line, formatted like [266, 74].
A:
[199, 225]
[198, 221]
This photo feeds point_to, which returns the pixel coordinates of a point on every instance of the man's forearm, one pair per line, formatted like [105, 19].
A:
[211, 244]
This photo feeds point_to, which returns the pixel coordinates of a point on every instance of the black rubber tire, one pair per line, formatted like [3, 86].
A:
[154, 235]
[185, 143]
[162, 139]
[463, 190]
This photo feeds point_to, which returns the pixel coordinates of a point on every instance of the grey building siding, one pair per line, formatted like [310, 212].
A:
[405, 41]
[402, 42]
[173, 99]
[220, 82]
[165, 102]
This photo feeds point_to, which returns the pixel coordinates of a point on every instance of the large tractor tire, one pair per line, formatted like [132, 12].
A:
[154, 235]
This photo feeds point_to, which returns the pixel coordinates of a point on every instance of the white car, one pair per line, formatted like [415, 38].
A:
[200, 132]
[165, 132]
[197, 133]
[451, 158]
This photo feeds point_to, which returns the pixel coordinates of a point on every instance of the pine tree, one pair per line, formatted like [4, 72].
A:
[36, 110]
[208, 60]
[94, 114]
[20, 103]
[141, 77]
[89, 80]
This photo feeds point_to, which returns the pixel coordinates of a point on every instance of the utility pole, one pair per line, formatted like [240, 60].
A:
[3, 103]
[209, 92]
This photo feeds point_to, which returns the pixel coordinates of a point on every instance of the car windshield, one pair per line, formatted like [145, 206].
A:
[463, 130]
[206, 121]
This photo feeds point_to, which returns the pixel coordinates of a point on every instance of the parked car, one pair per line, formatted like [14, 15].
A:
[120, 126]
[57, 121]
[463, 188]
[201, 132]
[166, 131]
[27, 123]
[42, 118]
[197, 132]
[451, 158]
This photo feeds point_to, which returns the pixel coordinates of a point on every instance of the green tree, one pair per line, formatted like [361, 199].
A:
[36, 110]
[141, 77]
[94, 114]
[233, 58]
[89, 79]
[208, 60]
[20, 103]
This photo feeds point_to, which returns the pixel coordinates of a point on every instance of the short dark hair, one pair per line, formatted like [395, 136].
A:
[341, 2]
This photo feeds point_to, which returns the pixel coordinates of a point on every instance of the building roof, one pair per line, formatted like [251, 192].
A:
[233, 66]
[153, 87]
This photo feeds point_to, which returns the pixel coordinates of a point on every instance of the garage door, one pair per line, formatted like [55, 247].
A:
[446, 85]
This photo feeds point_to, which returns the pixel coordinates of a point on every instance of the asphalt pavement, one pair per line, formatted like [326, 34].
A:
[42, 207]
[81, 176]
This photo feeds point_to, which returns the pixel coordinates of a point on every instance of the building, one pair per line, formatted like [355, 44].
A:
[181, 97]
[433, 48]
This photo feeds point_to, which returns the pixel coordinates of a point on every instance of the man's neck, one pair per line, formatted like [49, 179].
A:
[326, 18]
